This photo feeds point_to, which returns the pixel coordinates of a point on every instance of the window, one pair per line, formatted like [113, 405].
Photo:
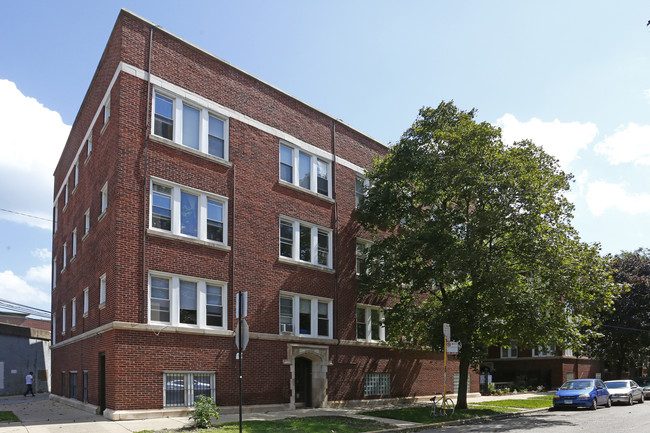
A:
[370, 324]
[311, 315]
[362, 256]
[305, 242]
[89, 145]
[197, 128]
[305, 170]
[63, 320]
[186, 301]
[56, 217]
[75, 176]
[509, 352]
[86, 302]
[102, 290]
[104, 198]
[54, 273]
[65, 195]
[65, 255]
[73, 385]
[74, 243]
[360, 189]
[183, 389]
[86, 222]
[184, 211]
[53, 328]
[107, 110]
[376, 384]
[543, 351]
[568, 352]
[73, 313]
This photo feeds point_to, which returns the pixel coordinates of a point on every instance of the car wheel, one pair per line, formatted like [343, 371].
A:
[594, 404]
[609, 402]
[630, 401]
[642, 399]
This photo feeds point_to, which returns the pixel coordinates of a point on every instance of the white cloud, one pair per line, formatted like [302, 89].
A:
[32, 140]
[602, 196]
[15, 289]
[628, 144]
[563, 140]
[42, 253]
[646, 93]
[39, 274]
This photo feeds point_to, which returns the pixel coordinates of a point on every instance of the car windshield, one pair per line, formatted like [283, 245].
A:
[578, 384]
[622, 384]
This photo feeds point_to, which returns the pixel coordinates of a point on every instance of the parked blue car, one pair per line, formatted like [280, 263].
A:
[589, 393]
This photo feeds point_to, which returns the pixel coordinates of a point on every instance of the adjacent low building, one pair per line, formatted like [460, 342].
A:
[184, 181]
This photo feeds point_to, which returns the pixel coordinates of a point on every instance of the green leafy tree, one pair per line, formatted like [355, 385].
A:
[623, 339]
[477, 234]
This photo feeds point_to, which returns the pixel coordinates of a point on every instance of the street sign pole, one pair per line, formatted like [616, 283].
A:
[446, 331]
[240, 313]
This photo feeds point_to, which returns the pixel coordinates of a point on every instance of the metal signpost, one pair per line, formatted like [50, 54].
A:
[446, 331]
[241, 340]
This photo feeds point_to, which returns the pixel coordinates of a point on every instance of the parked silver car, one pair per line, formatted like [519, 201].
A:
[644, 382]
[625, 391]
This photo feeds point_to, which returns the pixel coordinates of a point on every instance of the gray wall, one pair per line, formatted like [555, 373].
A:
[23, 350]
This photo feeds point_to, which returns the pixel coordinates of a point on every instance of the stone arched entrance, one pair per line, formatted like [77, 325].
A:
[308, 364]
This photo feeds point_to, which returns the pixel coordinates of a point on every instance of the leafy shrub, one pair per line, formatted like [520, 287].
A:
[491, 389]
[204, 410]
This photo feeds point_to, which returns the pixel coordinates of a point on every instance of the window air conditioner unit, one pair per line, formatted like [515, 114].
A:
[286, 328]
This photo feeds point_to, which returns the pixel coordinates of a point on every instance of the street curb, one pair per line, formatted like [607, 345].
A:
[420, 427]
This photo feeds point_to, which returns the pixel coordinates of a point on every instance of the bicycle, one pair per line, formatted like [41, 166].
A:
[441, 406]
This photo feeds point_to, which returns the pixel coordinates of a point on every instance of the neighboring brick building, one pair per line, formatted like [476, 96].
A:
[178, 189]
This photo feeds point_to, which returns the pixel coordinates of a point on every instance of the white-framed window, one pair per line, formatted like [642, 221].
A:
[361, 254]
[53, 328]
[63, 315]
[104, 199]
[89, 146]
[74, 243]
[510, 351]
[102, 290]
[360, 189]
[65, 255]
[376, 384]
[189, 124]
[54, 273]
[302, 169]
[568, 352]
[303, 315]
[56, 217]
[86, 302]
[107, 110]
[305, 242]
[370, 323]
[65, 195]
[187, 301]
[75, 176]
[185, 211]
[182, 389]
[543, 351]
[86, 222]
[73, 313]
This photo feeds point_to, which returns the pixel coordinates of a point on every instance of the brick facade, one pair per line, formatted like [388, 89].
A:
[122, 243]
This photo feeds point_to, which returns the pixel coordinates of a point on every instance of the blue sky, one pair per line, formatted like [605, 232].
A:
[572, 76]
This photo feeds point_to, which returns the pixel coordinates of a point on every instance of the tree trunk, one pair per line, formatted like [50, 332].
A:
[461, 399]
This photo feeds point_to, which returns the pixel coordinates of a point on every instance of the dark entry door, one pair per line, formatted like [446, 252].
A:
[303, 382]
[102, 382]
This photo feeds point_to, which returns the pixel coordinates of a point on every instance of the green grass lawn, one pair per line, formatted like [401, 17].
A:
[317, 424]
[521, 403]
[421, 414]
[7, 415]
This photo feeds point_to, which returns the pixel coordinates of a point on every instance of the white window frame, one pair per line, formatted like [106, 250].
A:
[102, 291]
[174, 300]
[368, 309]
[188, 389]
[86, 302]
[376, 384]
[567, 352]
[63, 318]
[366, 185]
[73, 313]
[314, 300]
[295, 246]
[203, 198]
[54, 273]
[313, 169]
[510, 351]
[358, 255]
[65, 255]
[104, 197]
[89, 146]
[56, 217]
[53, 328]
[74, 244]
[76, 176]
[543, 351]
[86, 223]
[204, 122]
[107, 110]
[65, 195]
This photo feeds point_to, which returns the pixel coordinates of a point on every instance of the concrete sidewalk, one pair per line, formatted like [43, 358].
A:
[41, 415]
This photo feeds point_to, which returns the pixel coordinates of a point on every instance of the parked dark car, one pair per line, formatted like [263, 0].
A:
[624, 391]
[644, 382]
[589, 393]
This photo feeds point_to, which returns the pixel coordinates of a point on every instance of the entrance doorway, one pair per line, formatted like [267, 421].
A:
[102, 382]
[303, 382]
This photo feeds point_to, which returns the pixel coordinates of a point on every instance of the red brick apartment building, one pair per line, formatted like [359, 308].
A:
[186, 180]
